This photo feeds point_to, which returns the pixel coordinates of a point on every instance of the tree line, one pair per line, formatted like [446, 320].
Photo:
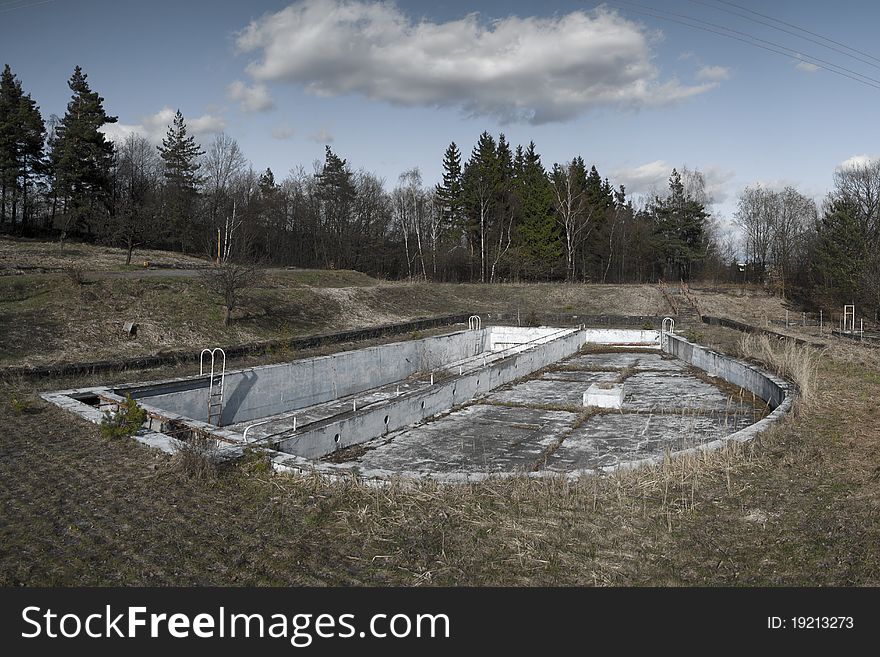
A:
[826, 256]
[497, 214]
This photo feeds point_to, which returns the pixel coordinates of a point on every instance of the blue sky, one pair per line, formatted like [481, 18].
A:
[389, 86]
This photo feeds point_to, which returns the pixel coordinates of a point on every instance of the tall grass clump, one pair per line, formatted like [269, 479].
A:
[795, 362]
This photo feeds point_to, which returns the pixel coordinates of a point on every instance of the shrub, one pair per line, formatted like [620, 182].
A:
[692, 335]
[125, 421]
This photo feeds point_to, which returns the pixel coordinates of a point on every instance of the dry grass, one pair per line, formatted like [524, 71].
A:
[196, 457]
[749, 304]
[62, 317]
[790, 360]
[32, 256]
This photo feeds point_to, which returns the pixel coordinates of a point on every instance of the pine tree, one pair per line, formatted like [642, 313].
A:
[336, 191]
[539, 243]
[82, 156]
[481, 178]
[22, 139]
[679, 230]
[10, 95]
[180, 154]
[449, 194]
[841, 251]
[180, 167]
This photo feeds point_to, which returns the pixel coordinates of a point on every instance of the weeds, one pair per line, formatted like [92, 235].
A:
[76, 276]
[19, 406]
[196, 456]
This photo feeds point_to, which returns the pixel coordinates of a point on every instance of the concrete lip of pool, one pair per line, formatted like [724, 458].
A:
[494, 401]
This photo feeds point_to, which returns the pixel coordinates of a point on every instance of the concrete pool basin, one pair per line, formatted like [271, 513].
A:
[494, 401]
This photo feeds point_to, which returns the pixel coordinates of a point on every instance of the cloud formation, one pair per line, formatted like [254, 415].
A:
[252, 99]
[807, 67]
[322, 136]
[652, 179]
[155, 126]
[856, 161]
[713, 73]
[282, 132]
[514, 69]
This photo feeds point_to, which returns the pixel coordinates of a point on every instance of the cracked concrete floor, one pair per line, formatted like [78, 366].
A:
[539, 423]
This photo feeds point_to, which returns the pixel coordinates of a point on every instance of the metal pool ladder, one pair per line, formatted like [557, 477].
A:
[215, 389]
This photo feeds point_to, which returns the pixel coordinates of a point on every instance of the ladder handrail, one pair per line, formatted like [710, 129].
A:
[474, 323]
[213, 353]
[664, 332]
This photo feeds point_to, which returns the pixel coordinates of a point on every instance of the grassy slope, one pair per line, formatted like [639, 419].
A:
[50, 317]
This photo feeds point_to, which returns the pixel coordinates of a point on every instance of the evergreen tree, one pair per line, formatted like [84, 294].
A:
[841, 251]
[336, 192]
[82, 156]
[481, 177]
[449, 195]
[595, 255]
[539, 243]
[22, 139]
[180, 167]
[679, 230]
[10, 96]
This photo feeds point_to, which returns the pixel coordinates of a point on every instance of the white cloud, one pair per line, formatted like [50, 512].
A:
[155, 126]
[856, 161]
[206, 124]
[653, 179]
[119, 132]
[807, 67]
[253, 99]
[645, 179]
[713, 73]
[514, 69]
[282, 132]
[322, 136]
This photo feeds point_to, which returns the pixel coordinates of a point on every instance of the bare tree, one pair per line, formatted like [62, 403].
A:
[137, 176]
[860, 185]
[775, 225]
[755, 216]
[411, 207]
[223, 163]
[569, 199]
[229, 281]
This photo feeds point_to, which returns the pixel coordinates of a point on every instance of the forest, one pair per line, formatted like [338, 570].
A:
[499, 214]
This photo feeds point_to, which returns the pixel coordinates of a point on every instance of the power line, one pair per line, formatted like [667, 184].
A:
[793, 33]
[27, 5]
[753, 41]
[824, 38]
